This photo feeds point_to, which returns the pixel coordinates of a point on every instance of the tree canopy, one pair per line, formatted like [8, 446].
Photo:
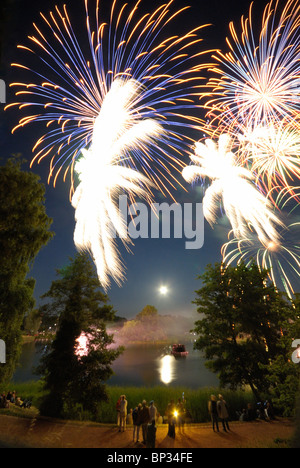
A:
[79, 361]
[243, 320]
[148, 312]
[24, 230]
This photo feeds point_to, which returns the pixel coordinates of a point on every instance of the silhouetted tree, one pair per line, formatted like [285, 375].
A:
[24, 229]
[241, 328]
[80, 359]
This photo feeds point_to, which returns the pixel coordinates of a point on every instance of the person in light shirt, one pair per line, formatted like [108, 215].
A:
[123, 413]
[153, 411]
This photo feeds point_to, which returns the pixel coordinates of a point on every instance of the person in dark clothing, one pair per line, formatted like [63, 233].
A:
[171, 418]
[151, 435]
[251, 413]
[180, 415]
[144, 419]
[213, 411]
[136, 423]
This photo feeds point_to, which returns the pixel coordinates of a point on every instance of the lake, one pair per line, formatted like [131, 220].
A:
[140, 365]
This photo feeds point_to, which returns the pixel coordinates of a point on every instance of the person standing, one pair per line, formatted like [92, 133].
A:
[129, 419]
[213, 411]
[223, 413]
[123, 413]
[143, 420]
[171, 418]
[180, 414]
[152, 411]
[136, 422]
[151, 434]
[118, 411]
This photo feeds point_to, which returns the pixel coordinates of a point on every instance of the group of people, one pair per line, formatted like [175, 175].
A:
[10, 397]
[145, 418]
[219, 412]
[262, 411]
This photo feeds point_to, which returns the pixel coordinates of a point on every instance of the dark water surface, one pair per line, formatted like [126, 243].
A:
[139, 365]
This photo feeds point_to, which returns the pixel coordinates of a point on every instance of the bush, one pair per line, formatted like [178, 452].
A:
[196, 401]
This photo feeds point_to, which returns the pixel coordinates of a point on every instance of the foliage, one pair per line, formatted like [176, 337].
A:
[296, 438]
[241, 328]
[148, 313]
[32, 390]
[149, 326]
[24, 229]
[196, 400]
[282, 373]
[71, 376]
[144, 327]
[32, 322]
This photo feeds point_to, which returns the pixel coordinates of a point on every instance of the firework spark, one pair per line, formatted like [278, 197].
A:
[273, 154]
[102, 176]
[126, 109]
[246, 208]
[258, 80]
[280, 258]
[71, 88]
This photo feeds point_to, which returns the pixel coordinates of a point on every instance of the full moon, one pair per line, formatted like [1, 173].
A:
[163, 290]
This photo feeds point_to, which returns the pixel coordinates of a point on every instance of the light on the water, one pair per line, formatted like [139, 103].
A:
[167, 369]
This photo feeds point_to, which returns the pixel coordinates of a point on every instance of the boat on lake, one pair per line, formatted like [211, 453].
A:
[178, 350]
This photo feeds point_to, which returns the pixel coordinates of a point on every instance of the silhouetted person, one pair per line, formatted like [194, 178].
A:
[213, 411]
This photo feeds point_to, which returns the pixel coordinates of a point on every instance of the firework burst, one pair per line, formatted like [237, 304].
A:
[273, 155]
[233, 186]
[280, 258]
[70, 88]
[118, 118]
[102, 177]
[258, 80]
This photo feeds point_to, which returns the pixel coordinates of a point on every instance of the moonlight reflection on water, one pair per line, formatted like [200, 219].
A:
[167, 369]
[140, 365]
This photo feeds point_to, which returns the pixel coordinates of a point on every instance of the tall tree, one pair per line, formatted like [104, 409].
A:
[282, 373]
[242, 324]
[149, 313]
[24, 229]
[80, 358]
[32, 322]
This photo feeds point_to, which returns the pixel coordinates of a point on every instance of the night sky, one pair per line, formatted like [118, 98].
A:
[154, 261]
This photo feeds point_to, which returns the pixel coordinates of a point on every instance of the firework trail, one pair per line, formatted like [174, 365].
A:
[280, 258]
[258, 81]
[131, 145]
[246, 208]
[254, 95]
[273, 155]
[102, 176]
[127, 47]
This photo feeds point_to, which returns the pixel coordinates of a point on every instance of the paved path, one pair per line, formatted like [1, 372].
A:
[26, 432]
